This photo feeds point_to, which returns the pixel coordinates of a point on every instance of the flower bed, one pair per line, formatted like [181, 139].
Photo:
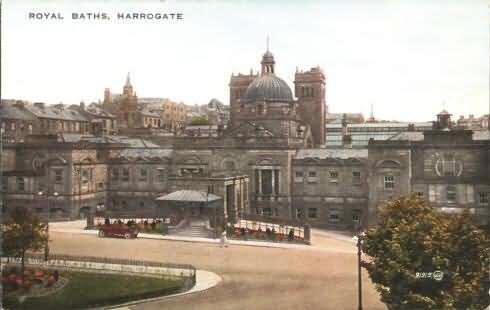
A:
[36, 282]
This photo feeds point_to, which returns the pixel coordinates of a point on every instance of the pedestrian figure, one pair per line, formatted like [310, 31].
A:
[223, 240]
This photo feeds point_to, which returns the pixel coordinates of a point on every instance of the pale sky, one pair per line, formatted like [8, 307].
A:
[404, 57]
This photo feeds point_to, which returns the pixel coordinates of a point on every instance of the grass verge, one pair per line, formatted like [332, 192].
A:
[86, 290]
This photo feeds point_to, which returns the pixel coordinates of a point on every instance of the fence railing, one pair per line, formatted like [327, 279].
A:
[184, 271]
[280, 232]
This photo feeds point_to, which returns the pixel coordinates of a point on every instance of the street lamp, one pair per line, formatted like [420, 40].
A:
[46, 248]
[359, 279]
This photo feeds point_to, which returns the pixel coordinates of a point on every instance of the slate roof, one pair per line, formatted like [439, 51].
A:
[96, 110]
[142, 153]
[75, 137]
[189, 196]
[382, 125]
[331, 153]
[13, 112]
[60, 112]
[408, 136]
[135, 142]
[150, 112]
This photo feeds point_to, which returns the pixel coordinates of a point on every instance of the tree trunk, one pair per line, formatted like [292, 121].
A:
[22, 266]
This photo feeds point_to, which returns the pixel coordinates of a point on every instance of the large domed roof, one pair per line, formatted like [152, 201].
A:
[268, 87]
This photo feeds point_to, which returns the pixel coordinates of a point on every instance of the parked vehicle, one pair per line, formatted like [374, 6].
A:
[118, 230]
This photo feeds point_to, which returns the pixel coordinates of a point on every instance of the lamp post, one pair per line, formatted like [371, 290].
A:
[359, 278]
[1, 171]
[55, 194]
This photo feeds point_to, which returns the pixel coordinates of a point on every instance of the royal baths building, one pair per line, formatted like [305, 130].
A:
[275, 158]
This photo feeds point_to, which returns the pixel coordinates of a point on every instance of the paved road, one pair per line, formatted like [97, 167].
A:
[321, 277]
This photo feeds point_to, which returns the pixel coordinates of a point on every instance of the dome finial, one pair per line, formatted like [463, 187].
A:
[267, 42]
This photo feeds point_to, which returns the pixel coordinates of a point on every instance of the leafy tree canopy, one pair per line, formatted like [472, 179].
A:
[22, 232]
[414, 238]
[199, 121]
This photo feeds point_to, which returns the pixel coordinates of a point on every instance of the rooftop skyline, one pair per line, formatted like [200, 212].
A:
[404, 58]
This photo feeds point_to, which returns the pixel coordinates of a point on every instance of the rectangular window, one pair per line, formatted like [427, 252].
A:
[448, 167]
[470, 193]
[451, 193]
[299, 213]
[483, 197]
[276, 212]
[266, 182]
[432, 193]
[276, 182]
[143, 174]
[115, 174]
[267, 212]
[258, 211]
[420, 195]
[5, 184]
[257, 181]
[389, 182]
[333, 176]
[334, 216]
[85, 176]
[40, 185]
[58, 176]
[356, 215]
[312, 177]
[124, 204]
[100, 185]
[161, 175]
[125, 174]
[142, 204]
[356, 177]
[21, 184]
[298, 177]
[312, 213]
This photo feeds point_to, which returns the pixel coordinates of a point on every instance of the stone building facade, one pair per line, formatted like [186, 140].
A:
[140, 112]
[274, 154]
[449, 168]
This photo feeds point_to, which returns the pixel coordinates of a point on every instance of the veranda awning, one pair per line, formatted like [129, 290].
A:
[189, 196]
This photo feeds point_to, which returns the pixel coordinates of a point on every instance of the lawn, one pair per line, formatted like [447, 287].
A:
[86, 290]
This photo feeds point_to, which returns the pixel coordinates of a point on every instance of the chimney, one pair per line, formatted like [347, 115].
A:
[411, 127]
[346, 138]
[39, 105]
[82, 105]
[19, 104]
[344, 124]
[347, 141]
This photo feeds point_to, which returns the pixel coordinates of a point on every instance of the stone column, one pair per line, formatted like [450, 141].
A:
[260, 181]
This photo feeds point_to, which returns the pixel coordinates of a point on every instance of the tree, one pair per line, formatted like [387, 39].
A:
[413, 243]
[199, 121]
[23, 232]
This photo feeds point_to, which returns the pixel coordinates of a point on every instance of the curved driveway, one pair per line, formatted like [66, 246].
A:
[323, 276]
